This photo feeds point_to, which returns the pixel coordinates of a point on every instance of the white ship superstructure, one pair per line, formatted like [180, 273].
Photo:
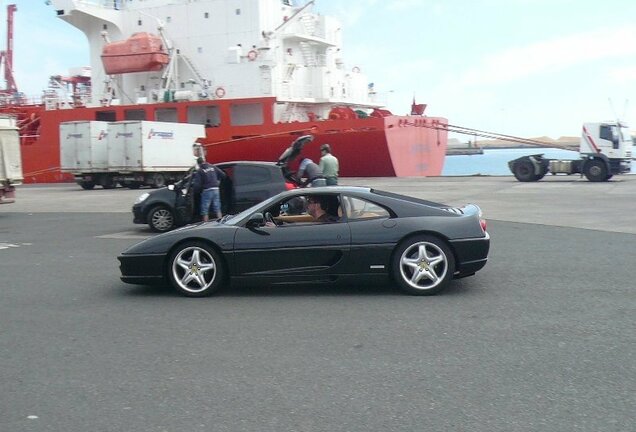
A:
[224, 49]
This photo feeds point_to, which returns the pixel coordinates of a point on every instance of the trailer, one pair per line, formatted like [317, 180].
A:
[605, 150]
[83, 153]
[130, 153]
[10, 159]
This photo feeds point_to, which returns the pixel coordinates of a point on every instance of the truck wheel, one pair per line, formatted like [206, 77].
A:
[86, 185]
[160, 219]
[595, 170]
[133, 185]
[158, 180]
[524, 171]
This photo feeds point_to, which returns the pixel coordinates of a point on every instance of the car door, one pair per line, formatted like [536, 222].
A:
[294, 251]
[373, 235]
[186, 200]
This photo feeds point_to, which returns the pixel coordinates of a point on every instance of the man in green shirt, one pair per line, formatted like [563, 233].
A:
[329, 165]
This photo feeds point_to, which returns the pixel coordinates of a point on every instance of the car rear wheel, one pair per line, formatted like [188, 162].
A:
[423, 265]
[196, 269]
[161, 219]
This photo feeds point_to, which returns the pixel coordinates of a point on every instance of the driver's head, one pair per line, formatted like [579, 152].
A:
[316, 206]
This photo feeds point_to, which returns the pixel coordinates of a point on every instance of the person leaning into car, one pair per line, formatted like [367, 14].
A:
[207, 179]
[312, 172]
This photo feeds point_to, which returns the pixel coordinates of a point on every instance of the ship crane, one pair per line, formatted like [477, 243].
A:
[6, 56]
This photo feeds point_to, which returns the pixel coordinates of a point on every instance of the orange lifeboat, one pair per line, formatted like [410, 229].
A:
[142, 52]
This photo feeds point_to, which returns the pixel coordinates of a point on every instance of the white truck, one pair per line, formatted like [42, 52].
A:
[605, 150]
[10, 159]
[131, 153]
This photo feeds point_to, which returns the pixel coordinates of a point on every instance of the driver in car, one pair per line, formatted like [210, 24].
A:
[318, 208]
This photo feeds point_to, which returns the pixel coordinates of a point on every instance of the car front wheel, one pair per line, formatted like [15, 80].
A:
[423, 265]
[196, 269]
[161, 219]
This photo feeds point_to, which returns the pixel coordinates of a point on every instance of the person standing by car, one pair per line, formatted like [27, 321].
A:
[207, 179]
[312, 172]
[329, 165]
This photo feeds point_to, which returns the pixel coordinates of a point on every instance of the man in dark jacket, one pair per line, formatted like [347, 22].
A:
[207, 179]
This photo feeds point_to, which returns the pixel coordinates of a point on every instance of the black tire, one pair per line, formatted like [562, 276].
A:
[87, 185]
[161, 219]
[158, 180]
[195, 269]
[423, 265]
[524, 171]
[133, 185]
[595, 170]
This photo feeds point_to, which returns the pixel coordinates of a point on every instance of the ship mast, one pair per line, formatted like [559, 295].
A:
[6, 56]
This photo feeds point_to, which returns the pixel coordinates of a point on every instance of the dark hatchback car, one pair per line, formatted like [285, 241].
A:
[246, 184]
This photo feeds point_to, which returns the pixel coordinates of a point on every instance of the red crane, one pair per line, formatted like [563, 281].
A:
[6, 57]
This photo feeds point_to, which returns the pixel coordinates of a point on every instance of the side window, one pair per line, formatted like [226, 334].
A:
[605, 133]
[251, 175]
[356, 208]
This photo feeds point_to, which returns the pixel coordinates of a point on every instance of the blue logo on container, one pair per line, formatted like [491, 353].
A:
[160, 134]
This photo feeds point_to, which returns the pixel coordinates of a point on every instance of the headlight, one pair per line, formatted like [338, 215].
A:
[142, 197]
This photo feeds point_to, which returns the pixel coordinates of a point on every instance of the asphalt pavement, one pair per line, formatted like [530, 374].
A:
[542, 339]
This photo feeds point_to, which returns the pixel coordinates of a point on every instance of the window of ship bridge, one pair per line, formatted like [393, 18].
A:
[166, 115]
[208, 115]
[137, 114]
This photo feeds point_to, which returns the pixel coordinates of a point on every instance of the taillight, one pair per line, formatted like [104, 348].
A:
[482, 221]
[289, 186]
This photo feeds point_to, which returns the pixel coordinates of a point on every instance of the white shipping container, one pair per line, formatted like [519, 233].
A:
[144, 146]
[10, 158]
[84, 146]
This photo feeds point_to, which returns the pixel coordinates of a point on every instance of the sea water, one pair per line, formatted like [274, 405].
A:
[494, 162]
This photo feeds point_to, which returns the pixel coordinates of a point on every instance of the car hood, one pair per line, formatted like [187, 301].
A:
[161, 243]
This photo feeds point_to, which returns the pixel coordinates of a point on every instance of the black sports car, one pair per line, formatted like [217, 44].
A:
[324, 235]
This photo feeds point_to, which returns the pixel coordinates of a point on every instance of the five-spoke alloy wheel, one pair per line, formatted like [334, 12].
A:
[195, 269]
[423, 265]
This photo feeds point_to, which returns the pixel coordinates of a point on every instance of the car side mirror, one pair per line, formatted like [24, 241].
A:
[256, 220]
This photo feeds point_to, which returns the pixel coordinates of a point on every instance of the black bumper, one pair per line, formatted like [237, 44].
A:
[142, 269]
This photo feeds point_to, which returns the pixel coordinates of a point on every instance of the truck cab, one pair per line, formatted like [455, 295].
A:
[605, 149]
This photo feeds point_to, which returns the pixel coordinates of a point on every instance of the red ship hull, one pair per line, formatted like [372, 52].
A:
[390, 146]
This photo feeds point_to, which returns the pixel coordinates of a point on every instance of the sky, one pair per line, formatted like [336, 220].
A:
[528, 68]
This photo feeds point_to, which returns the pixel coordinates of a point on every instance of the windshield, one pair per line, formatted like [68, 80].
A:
[234, 219]
[625, 135]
